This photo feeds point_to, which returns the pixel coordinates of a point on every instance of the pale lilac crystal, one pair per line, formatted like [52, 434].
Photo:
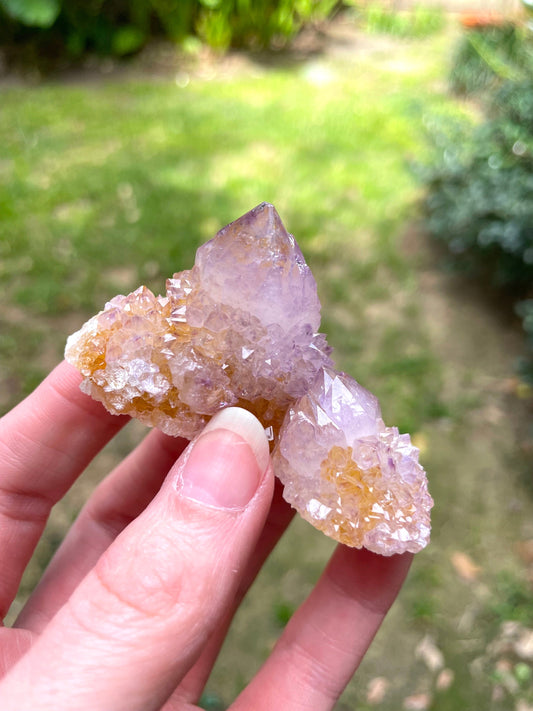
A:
[275, 285]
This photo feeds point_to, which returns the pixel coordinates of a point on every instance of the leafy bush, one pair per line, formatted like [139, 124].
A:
[36, 13]
[119, 27]
[479, 200]
[487, 56]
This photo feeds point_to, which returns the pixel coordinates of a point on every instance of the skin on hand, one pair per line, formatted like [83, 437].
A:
[134, 607]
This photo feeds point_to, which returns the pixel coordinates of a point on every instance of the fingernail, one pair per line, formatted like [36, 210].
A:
[226, 463]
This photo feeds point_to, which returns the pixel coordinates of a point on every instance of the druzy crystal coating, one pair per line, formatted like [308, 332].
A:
[241, 328]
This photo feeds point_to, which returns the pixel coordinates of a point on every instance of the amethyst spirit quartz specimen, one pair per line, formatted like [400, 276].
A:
[241, 328]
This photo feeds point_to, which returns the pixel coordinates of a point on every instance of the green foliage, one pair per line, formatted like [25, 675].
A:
[118, 27]
[516, 100]
[480, 188]
[127, 40]
[486, 57]
[419, 22]
[36, 13]
[480, 200]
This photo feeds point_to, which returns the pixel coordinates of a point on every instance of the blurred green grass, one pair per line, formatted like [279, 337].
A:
[105, 184]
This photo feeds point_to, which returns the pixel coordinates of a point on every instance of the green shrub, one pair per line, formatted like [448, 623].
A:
[479, 200]
[119, 27]
[487, 56]
[35, 13]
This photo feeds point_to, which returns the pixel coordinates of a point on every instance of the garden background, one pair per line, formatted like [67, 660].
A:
[397, 146]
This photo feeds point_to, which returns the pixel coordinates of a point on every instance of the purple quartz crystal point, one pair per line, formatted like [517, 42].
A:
[239, 328]
[254, 264]
[349, 475]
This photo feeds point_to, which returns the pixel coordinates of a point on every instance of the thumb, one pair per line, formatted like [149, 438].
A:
[138, 621]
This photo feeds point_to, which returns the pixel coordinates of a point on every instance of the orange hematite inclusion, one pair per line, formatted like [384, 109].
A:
[91, 350]
[356, 491]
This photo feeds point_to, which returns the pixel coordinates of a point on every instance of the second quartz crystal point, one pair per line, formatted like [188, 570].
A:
[349, 475]
[241, 328]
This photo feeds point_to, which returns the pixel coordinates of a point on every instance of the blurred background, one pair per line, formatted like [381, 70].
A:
[396, 141]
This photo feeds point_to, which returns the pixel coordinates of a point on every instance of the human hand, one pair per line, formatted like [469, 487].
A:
[134, 606]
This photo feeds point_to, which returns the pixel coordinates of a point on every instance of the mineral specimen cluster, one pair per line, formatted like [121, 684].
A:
[241, 328]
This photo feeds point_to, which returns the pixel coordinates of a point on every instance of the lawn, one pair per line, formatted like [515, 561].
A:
[106, 183]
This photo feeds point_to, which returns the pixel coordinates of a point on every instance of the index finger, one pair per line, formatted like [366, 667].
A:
[45, 444]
